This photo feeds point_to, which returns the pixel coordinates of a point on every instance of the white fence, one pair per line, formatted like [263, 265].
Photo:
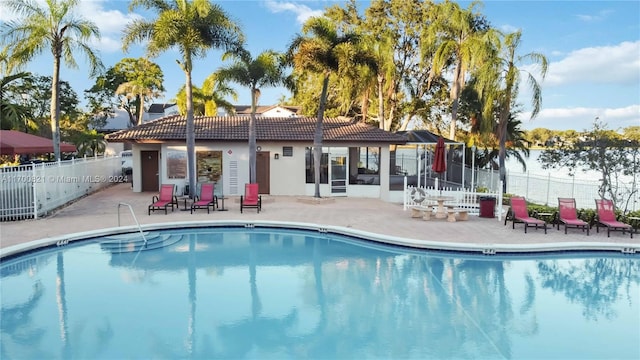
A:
[33, 190]
[460, 198]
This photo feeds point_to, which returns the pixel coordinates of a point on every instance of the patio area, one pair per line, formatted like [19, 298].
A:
[100, 210]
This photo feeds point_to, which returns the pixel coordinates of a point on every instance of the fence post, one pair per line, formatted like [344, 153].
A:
[499, 203]
[548, 187]
[404, 194]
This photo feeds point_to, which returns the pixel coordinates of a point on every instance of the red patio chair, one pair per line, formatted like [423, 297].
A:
[521, 215]
[607, 218]
[568, 215]
[206, 199]
[251, 199]
[164, 200]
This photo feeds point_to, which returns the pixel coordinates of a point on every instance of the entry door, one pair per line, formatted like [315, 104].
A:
[262, 172]
[150, 170]
[338, 174]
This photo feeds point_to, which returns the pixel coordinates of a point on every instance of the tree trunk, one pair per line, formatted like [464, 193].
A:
[190, 131]
[381, 101]
[55, 105]
[140, 108]
[502, 152]
[393, 104]
[365, 105]
[255, 93]
[456, 87]
[317, 138]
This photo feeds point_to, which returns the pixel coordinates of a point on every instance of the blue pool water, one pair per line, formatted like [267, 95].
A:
[269, 293]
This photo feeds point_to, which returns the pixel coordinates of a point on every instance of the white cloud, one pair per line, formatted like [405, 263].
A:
[110, 22]
[581, 118]
[509, 28]
[601, 15]
[616, 64]
[303, 12]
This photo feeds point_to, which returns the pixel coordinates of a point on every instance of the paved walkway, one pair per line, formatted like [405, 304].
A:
[100, 210]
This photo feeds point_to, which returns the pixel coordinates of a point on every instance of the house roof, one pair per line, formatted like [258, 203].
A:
[236, 128]
[246, 109]
[424, 137]
[158, 108]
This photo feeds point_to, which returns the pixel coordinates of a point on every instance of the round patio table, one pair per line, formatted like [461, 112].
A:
[441, 213]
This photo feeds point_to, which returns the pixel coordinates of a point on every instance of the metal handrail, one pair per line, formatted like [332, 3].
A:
[134, 218]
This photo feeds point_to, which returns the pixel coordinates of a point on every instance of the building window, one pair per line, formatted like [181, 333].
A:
[287, 151]
[364, 165]
[403, 162]
[309, 168]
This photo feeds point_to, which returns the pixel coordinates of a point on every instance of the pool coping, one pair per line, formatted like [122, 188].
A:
[486, 248]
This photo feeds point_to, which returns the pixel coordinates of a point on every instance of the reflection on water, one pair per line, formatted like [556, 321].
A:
[236, 293]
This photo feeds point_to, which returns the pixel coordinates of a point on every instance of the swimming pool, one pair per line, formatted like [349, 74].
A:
[231, 292]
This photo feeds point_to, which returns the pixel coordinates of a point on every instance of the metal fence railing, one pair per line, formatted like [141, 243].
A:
[547, 189]
[33, 190]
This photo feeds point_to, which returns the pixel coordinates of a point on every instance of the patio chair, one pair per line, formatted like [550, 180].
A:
[568, 215]
[521, 215]
[165, 199]
[607, 218]
[206, 200]
[251, 199]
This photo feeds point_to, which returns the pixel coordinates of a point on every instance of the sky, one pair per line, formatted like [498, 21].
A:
[593, 48]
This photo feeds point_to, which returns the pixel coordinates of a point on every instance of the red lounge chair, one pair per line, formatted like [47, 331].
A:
[607, 218]
[166, 199]
[206, 199]
[251, 199]
[521, 215]
[569, 215]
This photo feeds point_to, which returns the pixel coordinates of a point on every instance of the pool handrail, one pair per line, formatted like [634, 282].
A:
[134, 218]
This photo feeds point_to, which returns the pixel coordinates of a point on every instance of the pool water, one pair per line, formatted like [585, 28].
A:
[271, 293]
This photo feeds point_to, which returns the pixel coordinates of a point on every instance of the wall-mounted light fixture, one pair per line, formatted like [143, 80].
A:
[276, 156]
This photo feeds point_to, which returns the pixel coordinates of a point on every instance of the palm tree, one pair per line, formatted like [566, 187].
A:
[55, 27]
[144, 83]
[321, 49]
[208, 99]
[254, 73]
[193, 27]
[457, 34]
[12, 115]
[498, 84]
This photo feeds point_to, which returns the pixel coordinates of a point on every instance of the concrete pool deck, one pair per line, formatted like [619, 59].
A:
[100, 210]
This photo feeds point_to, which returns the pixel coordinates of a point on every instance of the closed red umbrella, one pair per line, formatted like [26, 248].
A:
[439, 160]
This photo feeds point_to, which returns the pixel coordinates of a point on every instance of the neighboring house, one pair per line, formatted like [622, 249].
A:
[119, 121]
[355, 162]
[157, 111]
[264, 111]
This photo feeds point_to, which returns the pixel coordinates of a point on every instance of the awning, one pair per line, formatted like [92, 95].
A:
[18, 143]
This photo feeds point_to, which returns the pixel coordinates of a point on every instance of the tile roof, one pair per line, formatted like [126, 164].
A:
[236, 128]
[246, 109]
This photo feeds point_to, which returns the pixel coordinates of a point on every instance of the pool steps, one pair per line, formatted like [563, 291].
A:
[133, 242]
